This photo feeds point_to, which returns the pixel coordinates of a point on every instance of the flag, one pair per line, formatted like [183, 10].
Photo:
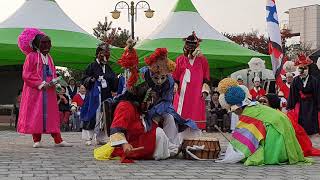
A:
[275, 45]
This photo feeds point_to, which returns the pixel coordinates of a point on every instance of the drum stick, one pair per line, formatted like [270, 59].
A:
[137, 149]
[221, 133]
[134, 149]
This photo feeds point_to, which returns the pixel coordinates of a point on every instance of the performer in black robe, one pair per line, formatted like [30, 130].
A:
[100, 81]
[304, 96]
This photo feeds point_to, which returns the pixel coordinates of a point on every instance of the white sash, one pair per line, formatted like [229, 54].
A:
[185, 81]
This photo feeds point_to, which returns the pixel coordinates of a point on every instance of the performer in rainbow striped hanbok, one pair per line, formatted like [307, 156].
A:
[263, 135]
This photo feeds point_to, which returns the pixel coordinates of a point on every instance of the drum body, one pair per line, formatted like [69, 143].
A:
[211, 148]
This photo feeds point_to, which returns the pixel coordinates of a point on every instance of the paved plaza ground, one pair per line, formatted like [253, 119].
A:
[18, 160]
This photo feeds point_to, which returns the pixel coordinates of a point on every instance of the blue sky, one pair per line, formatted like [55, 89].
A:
[233, 16]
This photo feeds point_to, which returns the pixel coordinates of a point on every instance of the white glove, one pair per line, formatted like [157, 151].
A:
[73, 109]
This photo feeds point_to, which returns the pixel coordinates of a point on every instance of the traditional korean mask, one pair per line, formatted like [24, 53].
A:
[159, 79]
[45, 45]
[104, 56]
[189, 48]
[41, 43]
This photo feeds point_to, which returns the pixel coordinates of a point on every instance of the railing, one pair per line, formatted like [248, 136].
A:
[11, 108]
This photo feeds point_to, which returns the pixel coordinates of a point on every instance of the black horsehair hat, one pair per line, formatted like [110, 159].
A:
[102, 47]
[192, 39]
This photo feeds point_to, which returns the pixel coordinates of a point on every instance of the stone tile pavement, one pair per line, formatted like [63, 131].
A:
[19, 161]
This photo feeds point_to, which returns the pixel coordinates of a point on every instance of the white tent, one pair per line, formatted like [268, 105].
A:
[72, 46]
[224, 56]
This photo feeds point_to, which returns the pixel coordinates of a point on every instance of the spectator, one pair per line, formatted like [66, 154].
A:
[64, 108]
[217, 115]
[77, 103]
[285, 87]
[240, 80]
[257, 91]
[72, 88]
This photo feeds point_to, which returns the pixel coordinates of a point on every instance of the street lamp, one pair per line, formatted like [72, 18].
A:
[132, 11]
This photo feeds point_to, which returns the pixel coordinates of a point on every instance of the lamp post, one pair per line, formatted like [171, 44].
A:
[132, 11]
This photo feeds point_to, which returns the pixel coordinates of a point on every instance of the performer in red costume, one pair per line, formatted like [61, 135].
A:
[128, 131]
[131, 133]
[192, 78]
[285, 87]
[304, 96]
[256, 92]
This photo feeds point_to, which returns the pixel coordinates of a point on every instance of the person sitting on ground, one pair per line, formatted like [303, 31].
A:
[217, 113]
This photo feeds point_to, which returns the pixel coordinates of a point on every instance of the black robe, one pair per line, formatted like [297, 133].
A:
[94, 70]
[309, 106]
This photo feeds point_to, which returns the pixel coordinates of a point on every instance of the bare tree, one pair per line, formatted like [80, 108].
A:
[294, 49]
[251, 40]
[105, 32]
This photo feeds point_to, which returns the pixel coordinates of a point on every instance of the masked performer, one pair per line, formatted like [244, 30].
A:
[39, 109]
[263, 135]
[99, 80]
[130, 135]
[273, 101]
[192, 78]
[158, 77]
[304, 96]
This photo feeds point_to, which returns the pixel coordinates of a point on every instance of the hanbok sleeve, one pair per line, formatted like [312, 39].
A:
[119, 126]
[88, 75]
[167, 90]
[30, 75]
[177, 72]
[206, 69]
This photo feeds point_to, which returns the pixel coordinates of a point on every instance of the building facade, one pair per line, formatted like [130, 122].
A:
[306, 22]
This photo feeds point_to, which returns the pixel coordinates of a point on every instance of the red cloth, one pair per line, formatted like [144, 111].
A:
[56, 136]
[285, 89]
[256, 94]
[127, 118]
[303, 138]
[77, 98]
